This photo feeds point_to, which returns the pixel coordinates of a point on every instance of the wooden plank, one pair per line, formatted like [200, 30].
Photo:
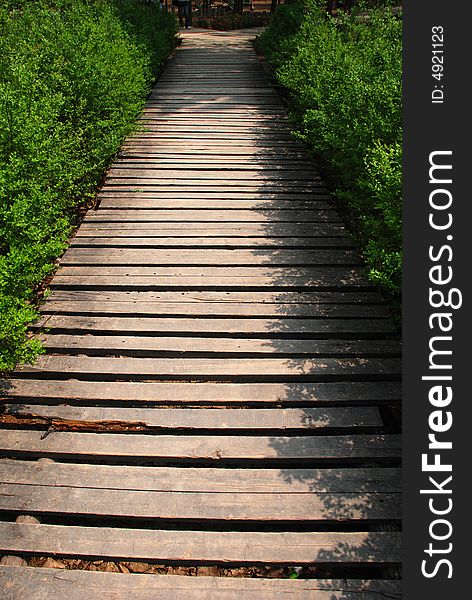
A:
[168, 479]
[335, 274]
[218, 367]
[211, 174]
[221, 325]
[255, 143]
[232, 309]
[197, 297]
[198, 506]
[202, 546]
[202, 122]
[223, 278]
[212, 230]
[151, 121]
[266, 100]
[229, 88]
[231, 82]
[194, 282]
[210, 134]
[118, 447]
[231, 190]
[246, 115]
[250, 230]
[327, 393]
[240, 149]
[206, 192]
[229, 184]
[217, 183]
[147, 256]
[167, 160]
[182, 186]
[195, 88]
[191, 216]
[149, 346]
[85, 240]
[19, 584]
[204, 418]
[203, 100]
[131, 202]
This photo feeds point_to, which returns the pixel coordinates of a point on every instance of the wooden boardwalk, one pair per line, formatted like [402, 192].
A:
[218, 385]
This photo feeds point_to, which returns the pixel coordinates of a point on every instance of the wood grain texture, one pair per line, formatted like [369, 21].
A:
[202, 546]
[342, 393]
[116, 446]
[163, 479]
[208, 418]
[199, 506]
[49, 584]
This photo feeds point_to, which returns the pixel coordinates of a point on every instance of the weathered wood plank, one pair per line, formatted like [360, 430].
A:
[218, 138]
[194, 282]
[341, 393]
[230, 88]
[221, 325]
[168, 160]
[206, 418]
[196, 297]
[201, 546]
[240, 149]
[131, 184]
[210, 174]
[201, 100]
[191, 216]
[204, 277]
[19, 584]
[232, 309]
[198, 506]
[148, 345]
[211, 194]
[147, 256]
[122, 239]
[117, 447]
[212, 230]
[163, 479]
[217, 367]
[157, 203]
[154, 345]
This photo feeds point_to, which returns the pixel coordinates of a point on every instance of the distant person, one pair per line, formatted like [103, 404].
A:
[332, 4]
[185, 12]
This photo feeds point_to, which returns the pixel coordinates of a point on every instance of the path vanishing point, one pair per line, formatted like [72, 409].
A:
[217, 394]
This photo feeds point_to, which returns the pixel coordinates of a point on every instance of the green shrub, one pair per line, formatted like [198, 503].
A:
[74, 74]
[344, 79]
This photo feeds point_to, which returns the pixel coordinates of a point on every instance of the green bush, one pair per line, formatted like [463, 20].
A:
[344, 81]
[74, 75]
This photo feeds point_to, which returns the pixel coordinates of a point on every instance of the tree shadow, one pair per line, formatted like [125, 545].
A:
[320, 298]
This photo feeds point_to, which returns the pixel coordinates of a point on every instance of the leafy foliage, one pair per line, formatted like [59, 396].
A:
[74, 74]
[344, 81]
